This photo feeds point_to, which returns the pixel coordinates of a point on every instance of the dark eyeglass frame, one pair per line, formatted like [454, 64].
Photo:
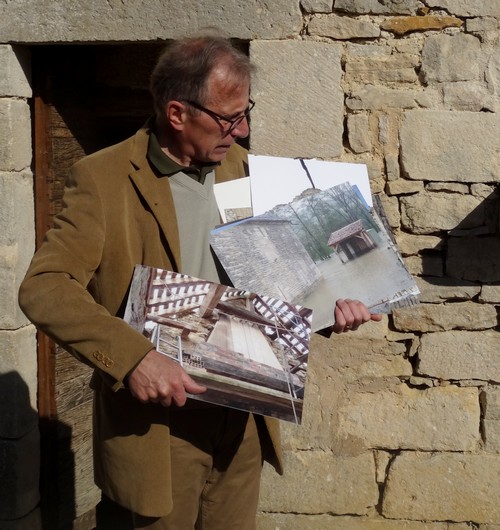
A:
[233, 122]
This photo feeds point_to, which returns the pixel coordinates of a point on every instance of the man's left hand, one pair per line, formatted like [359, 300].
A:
[350, 314]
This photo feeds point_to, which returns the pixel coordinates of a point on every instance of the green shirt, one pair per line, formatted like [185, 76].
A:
[196, 210]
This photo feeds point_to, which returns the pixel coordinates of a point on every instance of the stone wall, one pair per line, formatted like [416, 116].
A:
[19, 438]
[401, 428]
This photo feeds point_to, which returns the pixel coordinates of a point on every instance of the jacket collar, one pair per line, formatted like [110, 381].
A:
[156, 193]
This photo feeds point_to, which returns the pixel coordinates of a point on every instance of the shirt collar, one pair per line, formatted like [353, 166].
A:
[168, 167]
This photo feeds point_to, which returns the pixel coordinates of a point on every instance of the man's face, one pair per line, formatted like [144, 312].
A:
[205, 137]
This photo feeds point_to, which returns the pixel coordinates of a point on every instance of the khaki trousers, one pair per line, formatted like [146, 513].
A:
[216, 466]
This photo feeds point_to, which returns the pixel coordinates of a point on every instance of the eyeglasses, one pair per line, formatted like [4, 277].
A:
[224, 121]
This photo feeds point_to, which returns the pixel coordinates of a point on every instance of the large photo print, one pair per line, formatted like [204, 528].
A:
[249, 350]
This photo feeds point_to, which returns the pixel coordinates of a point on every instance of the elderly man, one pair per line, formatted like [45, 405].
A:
[174, 463]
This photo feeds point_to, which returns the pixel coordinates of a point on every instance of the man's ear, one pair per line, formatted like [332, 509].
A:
[176, 113]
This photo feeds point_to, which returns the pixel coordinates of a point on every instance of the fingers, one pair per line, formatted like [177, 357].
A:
[159, 379]
[350, 314]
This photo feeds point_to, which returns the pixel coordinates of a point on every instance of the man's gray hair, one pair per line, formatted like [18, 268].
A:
[183, 68]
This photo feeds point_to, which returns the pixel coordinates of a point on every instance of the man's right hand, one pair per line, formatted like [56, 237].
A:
[159, 379]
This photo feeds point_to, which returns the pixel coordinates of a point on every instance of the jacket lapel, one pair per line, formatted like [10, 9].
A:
[156, 193]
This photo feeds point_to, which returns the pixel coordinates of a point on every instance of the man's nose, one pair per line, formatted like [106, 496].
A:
[242, 130]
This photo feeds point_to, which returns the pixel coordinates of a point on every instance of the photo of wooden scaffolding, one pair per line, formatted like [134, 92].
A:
[249, 350]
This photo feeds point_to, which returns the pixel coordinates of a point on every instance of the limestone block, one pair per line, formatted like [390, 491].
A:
[409, 244]
[15, 135]
[452, 187]
[451, 146]
[90, 21]
[486, 28]
[433, 419]
[342, 28]
[490, 294]
[474, 259]
[404, 186]
[455, 355]
[434, 290]
[291, 521]
[392, 166]
[333, 363]
[382, 69]
[300, 101]
[403, 25]
[358, 128]
[490, 401]
[372, 97]
[321, 482]
[463, 210]
[468, 95]
[443, 487]
[425, 265]
[391, 210]
[15, 67]
[481, 24]
[491, 429]
[458, 315]
[19, 469]
[468, 8]
[317, 6]
[388, 7]
[18, 388]
[451, 58]
[484, 191]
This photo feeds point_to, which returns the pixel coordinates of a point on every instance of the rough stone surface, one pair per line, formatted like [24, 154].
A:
[451, 146]
[290, 119]
[16, 198]
[432, 317]
[474, 96]
[435, 419]
[460, 355]
[382, 68]
[464, 211]
[443, 487]
[317, 6]
[404, 186]
[373, 97]
[443, 58]
[436, 290]
[467, 8]
[297, 490]
[358, 127]
[79, 20]
[19, 469]
[410, 245]
[490, 294]
[388, 7]
[15, 66]
[15, 137]
[342, 28]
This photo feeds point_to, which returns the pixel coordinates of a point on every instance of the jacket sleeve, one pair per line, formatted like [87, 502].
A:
[54, 294]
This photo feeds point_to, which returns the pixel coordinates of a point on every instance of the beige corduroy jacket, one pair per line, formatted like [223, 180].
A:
[116, 214]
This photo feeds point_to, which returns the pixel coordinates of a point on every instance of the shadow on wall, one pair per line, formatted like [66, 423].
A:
[19, 453]
[469, 255]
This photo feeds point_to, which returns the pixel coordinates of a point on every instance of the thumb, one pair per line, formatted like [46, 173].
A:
[192, 387]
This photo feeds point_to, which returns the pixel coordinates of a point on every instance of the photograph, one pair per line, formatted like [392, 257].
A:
[322, 246]
[249, 350]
